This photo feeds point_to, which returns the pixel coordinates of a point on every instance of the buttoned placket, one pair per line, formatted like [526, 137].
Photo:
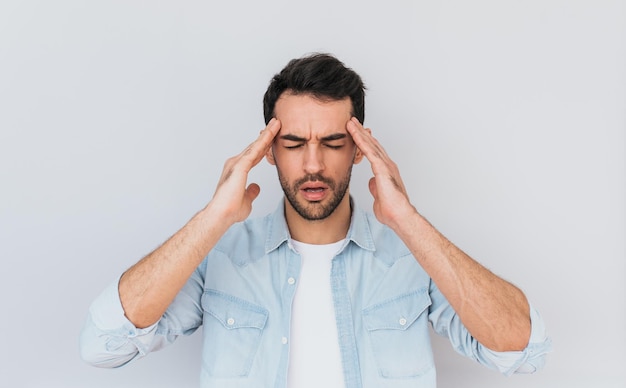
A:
[343, 316]
[291, 281]
[293, 264]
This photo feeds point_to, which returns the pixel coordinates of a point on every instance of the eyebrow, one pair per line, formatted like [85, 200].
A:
[334, 136]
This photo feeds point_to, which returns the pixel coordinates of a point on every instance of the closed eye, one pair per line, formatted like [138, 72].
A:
[294, 146]
[334, 141]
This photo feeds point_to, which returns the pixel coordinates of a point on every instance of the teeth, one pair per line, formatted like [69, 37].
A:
[314, 190]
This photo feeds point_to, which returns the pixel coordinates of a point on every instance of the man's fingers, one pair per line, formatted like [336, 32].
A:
[252, 191]
[257, 149]
[363, 139]
[384, 169]
[369, 146]
[241, 164]
[267, 135]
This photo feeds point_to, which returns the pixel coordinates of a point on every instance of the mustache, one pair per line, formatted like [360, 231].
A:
[315, 178]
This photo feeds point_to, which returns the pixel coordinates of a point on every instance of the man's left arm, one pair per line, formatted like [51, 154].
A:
[495, 312]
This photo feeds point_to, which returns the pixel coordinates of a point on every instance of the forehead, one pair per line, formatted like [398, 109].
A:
[303, 114]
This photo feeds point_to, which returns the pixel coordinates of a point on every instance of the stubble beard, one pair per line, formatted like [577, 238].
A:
[315, 211]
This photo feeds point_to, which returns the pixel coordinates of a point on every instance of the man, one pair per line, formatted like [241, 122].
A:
[319, 293]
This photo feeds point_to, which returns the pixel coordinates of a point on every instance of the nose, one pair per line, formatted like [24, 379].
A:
[313, 159]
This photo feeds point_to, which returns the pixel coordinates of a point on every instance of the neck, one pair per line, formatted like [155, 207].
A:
[329, 230]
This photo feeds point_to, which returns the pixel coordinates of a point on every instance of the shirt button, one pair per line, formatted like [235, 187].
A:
[291, 281]
[284, 340]
[402, 321]
[230, 321]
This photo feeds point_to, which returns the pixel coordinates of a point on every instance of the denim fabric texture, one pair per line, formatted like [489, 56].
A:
[242, 294]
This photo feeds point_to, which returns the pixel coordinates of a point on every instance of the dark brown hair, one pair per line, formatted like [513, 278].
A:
[320, 75]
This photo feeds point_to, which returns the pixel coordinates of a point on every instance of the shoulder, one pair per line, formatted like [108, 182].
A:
[396, 271]
[384, 241]
[244, 241]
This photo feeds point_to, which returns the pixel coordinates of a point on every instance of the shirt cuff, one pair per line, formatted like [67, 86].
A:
[537, 328]
[108, 315]
[529, 360]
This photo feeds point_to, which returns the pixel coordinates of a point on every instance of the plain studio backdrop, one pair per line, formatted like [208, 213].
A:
[507, 120]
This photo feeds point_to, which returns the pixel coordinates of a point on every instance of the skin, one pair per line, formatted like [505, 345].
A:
[309, 138]
[494, 311]
[148, 287]
[314, 141]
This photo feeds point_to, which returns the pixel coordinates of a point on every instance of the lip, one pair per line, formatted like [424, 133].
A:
[314, 191]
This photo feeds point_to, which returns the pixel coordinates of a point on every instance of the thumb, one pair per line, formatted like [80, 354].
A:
[372, 187]
[252, 192]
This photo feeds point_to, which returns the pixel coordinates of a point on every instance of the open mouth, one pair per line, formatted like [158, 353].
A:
[313, 191]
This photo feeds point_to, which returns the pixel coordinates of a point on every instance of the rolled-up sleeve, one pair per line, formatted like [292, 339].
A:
[109, 340]
[447, 323]
[529, 360]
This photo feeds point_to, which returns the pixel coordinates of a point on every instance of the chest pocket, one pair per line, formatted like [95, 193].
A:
[232, 333]
[399, 336]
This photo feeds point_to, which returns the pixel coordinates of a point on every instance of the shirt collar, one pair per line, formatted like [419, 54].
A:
[278, 231]
[359, 231]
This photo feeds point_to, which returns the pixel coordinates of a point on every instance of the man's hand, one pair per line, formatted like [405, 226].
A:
[231, 197]
[391, 201]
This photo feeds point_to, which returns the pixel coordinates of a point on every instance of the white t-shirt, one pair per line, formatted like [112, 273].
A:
[314, 355]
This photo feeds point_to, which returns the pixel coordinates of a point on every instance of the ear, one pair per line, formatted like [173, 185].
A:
[269, 155]
[359, 155]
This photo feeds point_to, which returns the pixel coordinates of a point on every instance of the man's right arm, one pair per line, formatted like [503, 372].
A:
[148, 287]
[122, 321]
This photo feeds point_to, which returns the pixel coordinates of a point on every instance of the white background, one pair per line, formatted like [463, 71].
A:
[507, 119]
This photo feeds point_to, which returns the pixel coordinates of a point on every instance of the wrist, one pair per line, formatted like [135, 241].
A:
[405, 219]
[215, 218]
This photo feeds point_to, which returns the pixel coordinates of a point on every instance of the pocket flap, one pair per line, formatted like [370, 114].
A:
[233, 312]
[397, 313]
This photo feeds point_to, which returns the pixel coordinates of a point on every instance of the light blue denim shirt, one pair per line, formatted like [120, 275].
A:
[242, 293]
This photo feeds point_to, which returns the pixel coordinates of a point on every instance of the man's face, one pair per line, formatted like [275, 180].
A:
[313, 153]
